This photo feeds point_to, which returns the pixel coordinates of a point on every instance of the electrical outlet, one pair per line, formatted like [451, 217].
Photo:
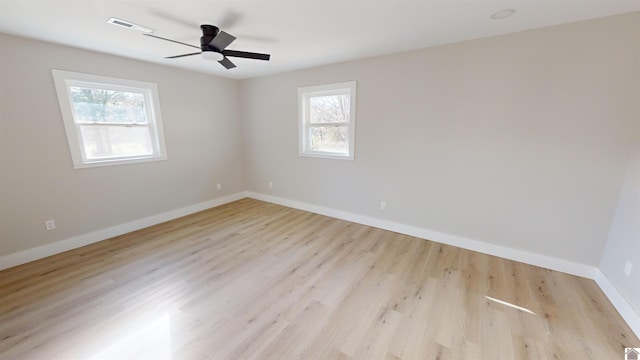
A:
[219, 186]
[270, 184]
[50, 225]
[383, 205]
[627, 268]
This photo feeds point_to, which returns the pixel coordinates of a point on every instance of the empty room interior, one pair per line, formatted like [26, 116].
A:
[319, 180]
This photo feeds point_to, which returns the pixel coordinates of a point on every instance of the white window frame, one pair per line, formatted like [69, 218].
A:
[304, 94]
[64, 80]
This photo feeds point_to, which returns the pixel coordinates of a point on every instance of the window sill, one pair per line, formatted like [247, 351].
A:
[92, 164]
[327, 156]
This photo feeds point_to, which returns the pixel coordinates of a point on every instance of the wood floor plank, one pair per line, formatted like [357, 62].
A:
[253, 280]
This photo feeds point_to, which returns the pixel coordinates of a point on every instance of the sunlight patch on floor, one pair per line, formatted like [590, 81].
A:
[510, 305]
[147, 340]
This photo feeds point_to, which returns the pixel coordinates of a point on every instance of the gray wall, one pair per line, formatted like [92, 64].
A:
[38, 182]
[520, 140]
[624, 238]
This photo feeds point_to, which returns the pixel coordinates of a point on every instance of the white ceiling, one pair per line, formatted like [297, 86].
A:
[297, 33]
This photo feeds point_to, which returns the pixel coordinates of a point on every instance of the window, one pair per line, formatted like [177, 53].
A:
[327, 120]
[109, 121]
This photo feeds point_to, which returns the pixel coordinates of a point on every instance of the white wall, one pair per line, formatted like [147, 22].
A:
[37, 179]
[624, 238]
[519, 140]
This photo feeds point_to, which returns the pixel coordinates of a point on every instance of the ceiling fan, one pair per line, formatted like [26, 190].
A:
[213, 45]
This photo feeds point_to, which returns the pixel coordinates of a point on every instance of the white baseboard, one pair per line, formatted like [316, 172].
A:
[57, 247]
[544, 261]
[621, 304]
[591, 272]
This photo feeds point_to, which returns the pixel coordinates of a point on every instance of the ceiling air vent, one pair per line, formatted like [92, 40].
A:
[128, 25]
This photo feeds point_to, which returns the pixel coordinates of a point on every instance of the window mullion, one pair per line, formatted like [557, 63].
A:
[111, 124]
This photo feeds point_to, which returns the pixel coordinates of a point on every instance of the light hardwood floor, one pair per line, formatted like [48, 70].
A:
[252, 280]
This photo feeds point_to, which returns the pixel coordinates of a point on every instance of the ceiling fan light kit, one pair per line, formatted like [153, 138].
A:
[213, 44]
[212, 55]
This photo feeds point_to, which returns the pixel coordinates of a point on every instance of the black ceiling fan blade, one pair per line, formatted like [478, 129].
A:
[222, 40]
[227, 63]
[183, 55]
[177, 42]
[246, 55]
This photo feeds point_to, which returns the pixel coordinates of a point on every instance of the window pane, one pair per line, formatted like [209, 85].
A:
[106, 141]
[329, 109]
[107, 106]
[329, 139]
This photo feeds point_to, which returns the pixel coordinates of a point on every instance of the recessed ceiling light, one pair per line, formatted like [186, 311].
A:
[503, 14]
[128, 25]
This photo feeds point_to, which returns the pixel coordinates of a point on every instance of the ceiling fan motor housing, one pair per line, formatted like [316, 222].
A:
[208, 33]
